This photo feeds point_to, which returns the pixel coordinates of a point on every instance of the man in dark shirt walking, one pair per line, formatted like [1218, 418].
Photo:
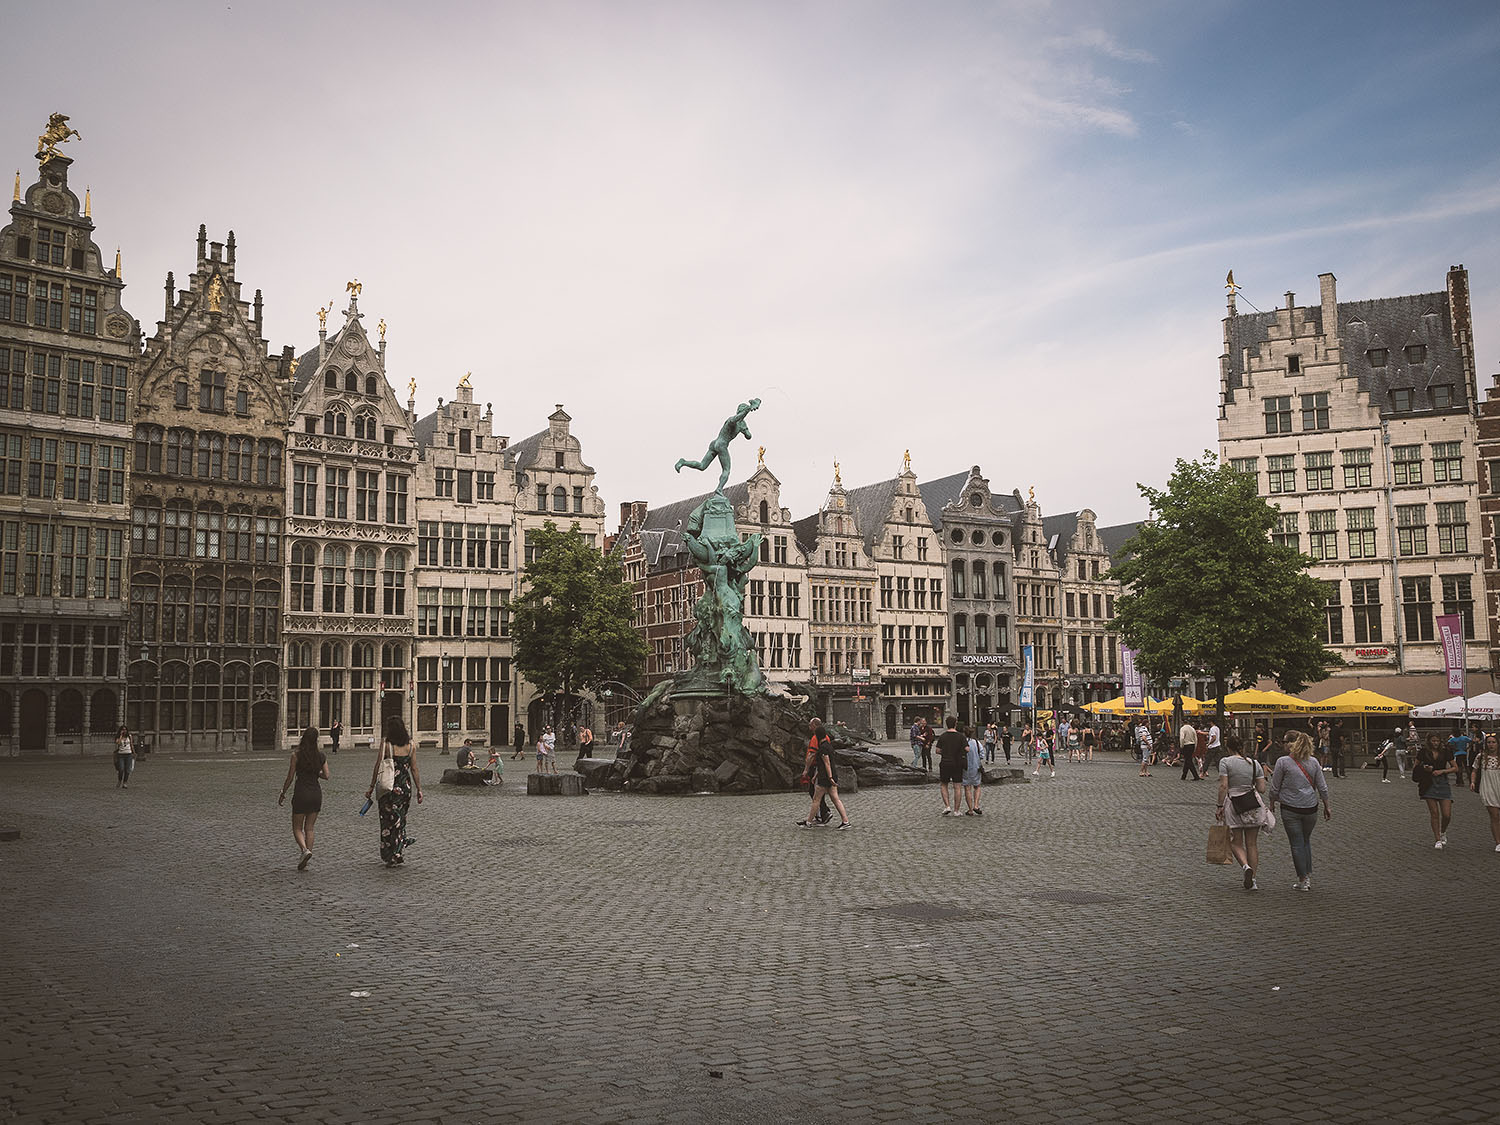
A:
[952, 748]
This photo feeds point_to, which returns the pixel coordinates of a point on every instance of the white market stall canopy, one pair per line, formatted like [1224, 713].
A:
[1485, 706]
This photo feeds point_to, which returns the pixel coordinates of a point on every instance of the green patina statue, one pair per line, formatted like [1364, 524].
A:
[723, 654]
[718, 449]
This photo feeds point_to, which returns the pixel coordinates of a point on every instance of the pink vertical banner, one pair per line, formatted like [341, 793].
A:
[1135, 695]
[1451, 630]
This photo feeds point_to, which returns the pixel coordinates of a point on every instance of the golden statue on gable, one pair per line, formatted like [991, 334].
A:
[381, 326]
[906, 461]
[838, 480]
[215, 294]
[354, 288]
[57, 132]
[760, 456]
[412, 389]
[464, 382]
[323, 315]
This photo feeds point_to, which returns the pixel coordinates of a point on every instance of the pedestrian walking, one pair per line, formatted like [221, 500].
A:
[1431, 773]
[1089, 738]
[1319, 729]
[825, 780]
[1384, 755]
[1187, 746]
[1045, 756]
[1338, 742]
[1486, 782]
[1458, 749]
[1241, 783]
[1143, 740]
[809, 780]
[395, 804]
[952, 749]
[1210, 750]
[124, 758]
[518, 742]
[973, 776]
[991, 736]
[335, 732]
[307, 765]
[1005, 740]
[1298, 784]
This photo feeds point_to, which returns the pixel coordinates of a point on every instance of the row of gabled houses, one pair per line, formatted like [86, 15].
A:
[897, 600]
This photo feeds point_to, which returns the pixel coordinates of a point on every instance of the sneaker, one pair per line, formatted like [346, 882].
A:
[1254, 886]
[843, 826]
[980, 812]
[968, 812]
[1054, 773]
[306, 857]
[1385, 781]
[1249, 879]
[1497, 847]
[1444, 839]
[803, 824]
[947, 811]
[1439, 845]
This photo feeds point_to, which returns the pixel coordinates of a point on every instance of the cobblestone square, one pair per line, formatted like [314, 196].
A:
[1067, 957]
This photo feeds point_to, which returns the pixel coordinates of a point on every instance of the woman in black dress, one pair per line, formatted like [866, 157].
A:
[307, 765]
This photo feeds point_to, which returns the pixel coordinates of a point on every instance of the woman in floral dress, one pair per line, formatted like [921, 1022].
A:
[395, 804]
[1486, 782]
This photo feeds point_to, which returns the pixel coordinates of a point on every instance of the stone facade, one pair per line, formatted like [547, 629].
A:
[468, 568]
[350, 540]
[1359, 422]
[207, 505]
[554, 485]
[1090, 652]
[775, 613]
[1038, 594]
[910, 609]
[68, 354]
[843, 586]
[1489, 528]
[974, 526]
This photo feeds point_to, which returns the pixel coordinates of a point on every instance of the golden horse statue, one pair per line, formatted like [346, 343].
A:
[57, 132]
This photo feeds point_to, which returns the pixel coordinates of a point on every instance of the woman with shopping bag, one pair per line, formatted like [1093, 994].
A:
[1241, 808]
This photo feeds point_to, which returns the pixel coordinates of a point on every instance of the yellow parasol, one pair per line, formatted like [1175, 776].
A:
[1358, 701]
[1252, 699]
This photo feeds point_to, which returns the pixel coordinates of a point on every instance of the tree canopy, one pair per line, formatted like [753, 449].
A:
[1208, 593]
[573, 622]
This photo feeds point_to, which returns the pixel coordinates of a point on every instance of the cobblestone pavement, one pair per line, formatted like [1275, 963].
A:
[1067, 957]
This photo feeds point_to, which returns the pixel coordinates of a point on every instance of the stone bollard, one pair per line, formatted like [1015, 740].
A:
[571, 785]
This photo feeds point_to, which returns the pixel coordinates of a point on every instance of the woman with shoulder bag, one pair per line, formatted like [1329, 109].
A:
[1241, 782]
[1298, 784]
[403, 778]
[1431, 773]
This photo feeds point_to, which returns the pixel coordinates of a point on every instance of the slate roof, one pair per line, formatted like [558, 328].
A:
[871, 503]
[944, 490]
[805, 531]
[425, 430]
[674, 515]
[525, 450]
[1385, 322]
[1114, 539]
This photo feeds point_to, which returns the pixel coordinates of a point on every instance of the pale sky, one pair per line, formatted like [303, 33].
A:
[991, 233]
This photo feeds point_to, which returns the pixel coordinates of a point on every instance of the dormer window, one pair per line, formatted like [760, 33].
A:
[331, 380]
[1416, 353]
[1442, 396]
[351, 383]
[1378, 356]
[370, 385]
[1401, 400]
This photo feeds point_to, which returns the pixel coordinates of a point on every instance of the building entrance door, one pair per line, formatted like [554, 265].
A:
[390, 708]
[33, 721]
[500, 726]
[890, 722]
[263, 724]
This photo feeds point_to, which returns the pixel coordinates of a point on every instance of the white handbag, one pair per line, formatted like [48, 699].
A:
[385, 772]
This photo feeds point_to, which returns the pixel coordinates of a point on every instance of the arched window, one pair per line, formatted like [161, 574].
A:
[364, 427]
[179, 461]
[177, 529]
[240, 465]
[210, 456]
[559, 499]
[145, 599]
[765, 512]
[176, 607]
[371, 386]
[268, 462]
[362, 685]
[208, 526]
[234, 710]
[330, 684]
[172, 698]
[765, 550]
[351, 382]
[304, 556]
[395, 584]
[207, 605]
[205, 696]
[335, 578]
[331, 380]
[959, 571]
[267, 612]
[238, 531]
[999, 591]
[364, 580]
[236, 612]
[1002, 633]
[145, 528]
[299, 695]
[148, 446]
[978, 579]
[335, 423]
[104, 712]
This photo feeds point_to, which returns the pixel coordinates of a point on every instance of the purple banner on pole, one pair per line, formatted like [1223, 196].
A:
[1451, 630]
[1135, 695]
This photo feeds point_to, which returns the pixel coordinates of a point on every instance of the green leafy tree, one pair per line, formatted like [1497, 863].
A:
[1208, 593]
[573, 623]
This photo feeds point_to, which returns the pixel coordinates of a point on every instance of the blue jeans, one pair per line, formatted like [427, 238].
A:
[916, 755]
[1299, 824]
[124, 764]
